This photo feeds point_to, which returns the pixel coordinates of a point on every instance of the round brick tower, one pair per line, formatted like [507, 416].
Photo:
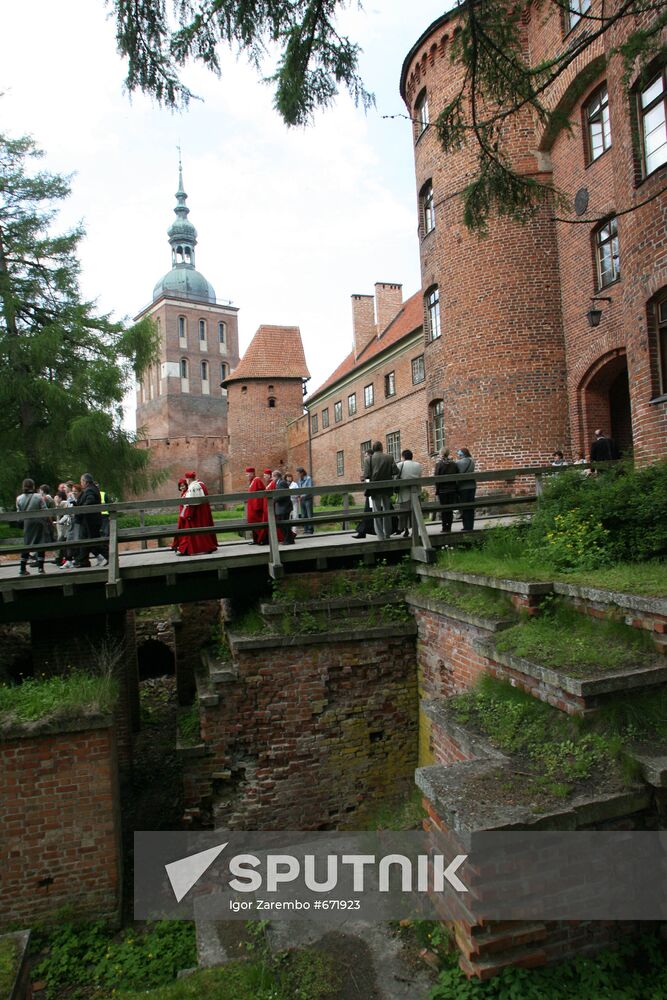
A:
[494, 352]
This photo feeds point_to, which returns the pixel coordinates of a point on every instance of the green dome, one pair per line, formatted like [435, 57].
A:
[183, 279]
[186, 282]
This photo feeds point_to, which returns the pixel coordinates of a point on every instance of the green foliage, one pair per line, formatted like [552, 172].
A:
[634, 969]
[65, 369]
[407, 814]
[61, 697]
[335, 499]
[250, 623]
[8, 965]
[563, 638]
[313, 58]
[188, 726]
[91, 956]
[486, 602]
[625, 509]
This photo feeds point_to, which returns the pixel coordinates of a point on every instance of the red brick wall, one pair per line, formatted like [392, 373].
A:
[446, 660]
[206, 455]
[298, 451]
[258, 432]
[313, 735]
[59, 817]
[520, 370]
[404, 412]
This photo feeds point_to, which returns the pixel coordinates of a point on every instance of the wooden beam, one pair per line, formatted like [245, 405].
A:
[276, 568]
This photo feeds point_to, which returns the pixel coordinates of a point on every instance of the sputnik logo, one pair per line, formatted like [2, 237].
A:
[186, 872]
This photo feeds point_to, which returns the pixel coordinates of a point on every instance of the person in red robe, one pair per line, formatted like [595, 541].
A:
[267, 476]
[182, 489]
[256, 507]
[196, 516]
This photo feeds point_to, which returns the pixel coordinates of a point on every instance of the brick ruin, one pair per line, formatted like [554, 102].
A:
[312, 727]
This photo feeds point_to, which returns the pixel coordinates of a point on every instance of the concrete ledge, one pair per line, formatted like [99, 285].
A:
[616, 598]
[48, 727]
[439, 607]
[20, 986]
[395, 631]
[653, 766]
[582, 687]
[448, 789]
[269, 609]
[522, 587]
[442, 716]
[218, 671]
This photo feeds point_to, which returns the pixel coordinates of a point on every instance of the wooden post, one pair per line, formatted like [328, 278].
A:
[114, 585]
[422, 550]
[142, 524]
[276, 569]
[346, 508]
[539, 485]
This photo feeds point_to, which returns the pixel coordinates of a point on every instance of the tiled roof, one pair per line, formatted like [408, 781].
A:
[409, 318]
[274, 352]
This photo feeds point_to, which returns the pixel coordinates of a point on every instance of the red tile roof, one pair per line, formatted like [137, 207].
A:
[274, 352]
[409, 318]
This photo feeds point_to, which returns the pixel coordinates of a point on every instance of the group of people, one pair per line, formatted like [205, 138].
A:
[64, 523]
[381, 467]
[297, 506]
[603, 449]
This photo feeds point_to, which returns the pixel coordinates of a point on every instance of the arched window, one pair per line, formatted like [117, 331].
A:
[272, 402]
[597, 127]
[652, 109]
[202, 330]
[184, 367]
[222, 332]
[182, 330]
[204, 371]
[437, 425]
[223, 371]
[427, 208]
[421, 113]
[657, 324]
[607, 258]
[432, 311]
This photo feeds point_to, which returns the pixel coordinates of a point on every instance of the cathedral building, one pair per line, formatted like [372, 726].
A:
[181, 406]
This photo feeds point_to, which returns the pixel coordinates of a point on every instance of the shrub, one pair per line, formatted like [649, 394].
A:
[336, 499]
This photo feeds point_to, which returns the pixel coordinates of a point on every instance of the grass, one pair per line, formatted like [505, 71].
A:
[404, 815]
[188, 726]
[8, 963]
[360, 582]
[484, 602]
[502, 553]
[578, 645]
[296, 975]
[65, 697]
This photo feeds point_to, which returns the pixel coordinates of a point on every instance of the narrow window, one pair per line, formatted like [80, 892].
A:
[390, 384]
[244, 389]
[573, 14]
[437, 425]
[394, 445]
[661, 315]
[352, 404]
[421, 113]
[313, 423]
[325, 417]
[598, 126]
[338, 412]
[182, 330]
[606, 253]
[222, 333]
[340, 463]
[432, 304]
[223, 371]
[184, 367]
[363, 448]
[204, 371]
[369, 396]
[653, 123]
[418, 373]
[202, 329]
[427, 208]
[272, 402]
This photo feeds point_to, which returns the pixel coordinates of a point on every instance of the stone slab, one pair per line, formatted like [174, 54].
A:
[48, 727]
[442, 716]
[269, 609]
[523, 587]
[448, 789]
[582, 687]
[653, 766]
[239, 643]
[615, 598]
[449, 611]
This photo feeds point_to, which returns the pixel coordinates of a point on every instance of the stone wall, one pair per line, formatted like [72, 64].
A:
[309, 734]
[60, 821]
[193, 631]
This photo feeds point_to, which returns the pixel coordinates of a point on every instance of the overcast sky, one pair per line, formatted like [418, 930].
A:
[291, 222]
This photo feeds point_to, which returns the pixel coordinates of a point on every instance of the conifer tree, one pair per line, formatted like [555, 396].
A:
[64, 369]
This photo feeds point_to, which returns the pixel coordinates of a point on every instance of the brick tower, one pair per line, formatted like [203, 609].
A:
[264, 394]
[181, 408]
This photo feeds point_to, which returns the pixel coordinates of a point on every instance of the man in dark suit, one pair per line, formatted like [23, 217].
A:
[379, 468]
[603, 448]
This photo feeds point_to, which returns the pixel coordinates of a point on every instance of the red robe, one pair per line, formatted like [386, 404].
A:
[272, 486]
[257, 512]
[180, 523]
[197, 516]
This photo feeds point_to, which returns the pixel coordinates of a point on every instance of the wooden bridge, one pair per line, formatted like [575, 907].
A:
[139, 575]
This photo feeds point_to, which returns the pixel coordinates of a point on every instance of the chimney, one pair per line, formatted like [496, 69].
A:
[388, 301]
[363, 321]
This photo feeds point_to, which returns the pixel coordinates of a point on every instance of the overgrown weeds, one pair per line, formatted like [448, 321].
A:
[62, 697]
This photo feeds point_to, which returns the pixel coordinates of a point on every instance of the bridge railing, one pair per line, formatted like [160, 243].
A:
[518, 483]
